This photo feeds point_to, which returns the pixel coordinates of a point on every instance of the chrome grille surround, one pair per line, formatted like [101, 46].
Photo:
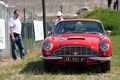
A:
[75, 51]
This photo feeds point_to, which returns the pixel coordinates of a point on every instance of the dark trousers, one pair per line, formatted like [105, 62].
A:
[18, 42]
[115, 6]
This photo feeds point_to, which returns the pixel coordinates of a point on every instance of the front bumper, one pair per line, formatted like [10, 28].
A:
[92, 58]
[50, 57]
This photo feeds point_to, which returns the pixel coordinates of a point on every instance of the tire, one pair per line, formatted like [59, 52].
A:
[48, 67]
[105, 66]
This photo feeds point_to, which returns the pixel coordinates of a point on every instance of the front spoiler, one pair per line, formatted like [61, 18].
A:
[92, 58]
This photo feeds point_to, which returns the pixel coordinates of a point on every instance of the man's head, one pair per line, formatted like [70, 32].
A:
[59, 15]
[17, 13]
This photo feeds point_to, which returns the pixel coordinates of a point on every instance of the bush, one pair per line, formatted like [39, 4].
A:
[109, 18]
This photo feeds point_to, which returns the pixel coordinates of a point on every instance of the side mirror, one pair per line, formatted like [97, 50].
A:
[108, 32]
[49, 33]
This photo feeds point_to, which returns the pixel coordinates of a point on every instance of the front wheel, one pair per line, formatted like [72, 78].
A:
[105, 66]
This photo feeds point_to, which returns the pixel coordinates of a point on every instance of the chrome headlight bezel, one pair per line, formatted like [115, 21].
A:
[104, 46]
[47, 46]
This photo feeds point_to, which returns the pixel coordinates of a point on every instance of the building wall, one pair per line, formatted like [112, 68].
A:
[4, 15]
[52, 6]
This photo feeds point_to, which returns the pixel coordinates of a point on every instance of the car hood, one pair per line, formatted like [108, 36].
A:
[78, 39]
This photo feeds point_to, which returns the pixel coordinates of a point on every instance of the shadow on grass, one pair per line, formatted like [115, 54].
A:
[33, 68]
[37, 68]
[77, 70]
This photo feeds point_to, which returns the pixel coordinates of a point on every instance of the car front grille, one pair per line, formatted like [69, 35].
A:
[75, 50]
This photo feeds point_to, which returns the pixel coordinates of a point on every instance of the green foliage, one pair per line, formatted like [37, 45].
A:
[109, 18]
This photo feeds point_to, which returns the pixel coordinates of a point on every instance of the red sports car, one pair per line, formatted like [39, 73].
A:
[77, 43]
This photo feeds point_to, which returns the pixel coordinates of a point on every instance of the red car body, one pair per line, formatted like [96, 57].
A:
[77, 48]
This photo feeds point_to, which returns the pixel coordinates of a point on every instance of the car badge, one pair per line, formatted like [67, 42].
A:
[75, 52]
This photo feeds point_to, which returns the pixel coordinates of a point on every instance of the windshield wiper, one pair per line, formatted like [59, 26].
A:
[78, 31]
[94, 32]
[75, 32]
[68, 31]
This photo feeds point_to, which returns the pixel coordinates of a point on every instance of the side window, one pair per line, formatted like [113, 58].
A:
[59, 28]
[101, 29]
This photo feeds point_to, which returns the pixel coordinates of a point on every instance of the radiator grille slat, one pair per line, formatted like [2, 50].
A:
[80, 50]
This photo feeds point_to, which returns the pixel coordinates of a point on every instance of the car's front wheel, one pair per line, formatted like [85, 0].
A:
[105, 66]
[48, 67]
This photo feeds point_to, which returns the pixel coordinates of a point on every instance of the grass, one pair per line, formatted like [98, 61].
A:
[32, 69]
[116, 50]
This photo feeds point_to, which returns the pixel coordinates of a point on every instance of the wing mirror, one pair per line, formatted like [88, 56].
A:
[108, 32]
[49, 33]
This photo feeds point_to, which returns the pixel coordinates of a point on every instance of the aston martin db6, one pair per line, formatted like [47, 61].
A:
[77, 43]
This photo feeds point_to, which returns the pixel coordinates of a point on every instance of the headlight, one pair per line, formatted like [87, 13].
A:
[47, 46]
[104, 46]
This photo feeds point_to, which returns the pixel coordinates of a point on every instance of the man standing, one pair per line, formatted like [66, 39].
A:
[15, 31]
[109, 3]
[115, 6]
[59, 18]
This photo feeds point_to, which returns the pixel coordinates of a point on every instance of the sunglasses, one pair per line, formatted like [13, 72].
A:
[58, 16]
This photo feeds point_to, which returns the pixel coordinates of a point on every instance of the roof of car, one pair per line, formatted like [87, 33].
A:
[94, 20]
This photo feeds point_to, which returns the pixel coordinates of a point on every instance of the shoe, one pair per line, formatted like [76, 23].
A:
[14, 59]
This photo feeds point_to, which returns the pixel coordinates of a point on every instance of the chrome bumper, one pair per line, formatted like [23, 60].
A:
[93, 58]
[50, 57]
[101, 58]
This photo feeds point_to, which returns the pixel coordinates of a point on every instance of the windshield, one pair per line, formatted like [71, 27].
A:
[79, 26]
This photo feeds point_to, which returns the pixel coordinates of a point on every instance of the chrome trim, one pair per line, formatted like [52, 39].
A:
[93, 58]
[101, 58]
[50, 57]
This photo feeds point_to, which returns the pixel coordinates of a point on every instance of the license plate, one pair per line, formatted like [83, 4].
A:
[74, 59]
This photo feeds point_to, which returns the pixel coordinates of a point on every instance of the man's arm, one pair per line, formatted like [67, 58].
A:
[55, 23]
[54, 26]
[11, 32]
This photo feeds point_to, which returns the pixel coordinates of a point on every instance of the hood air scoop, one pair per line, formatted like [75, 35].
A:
[76, 38]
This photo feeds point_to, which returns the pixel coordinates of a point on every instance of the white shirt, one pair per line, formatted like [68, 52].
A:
[15, 24]
[57, 21]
